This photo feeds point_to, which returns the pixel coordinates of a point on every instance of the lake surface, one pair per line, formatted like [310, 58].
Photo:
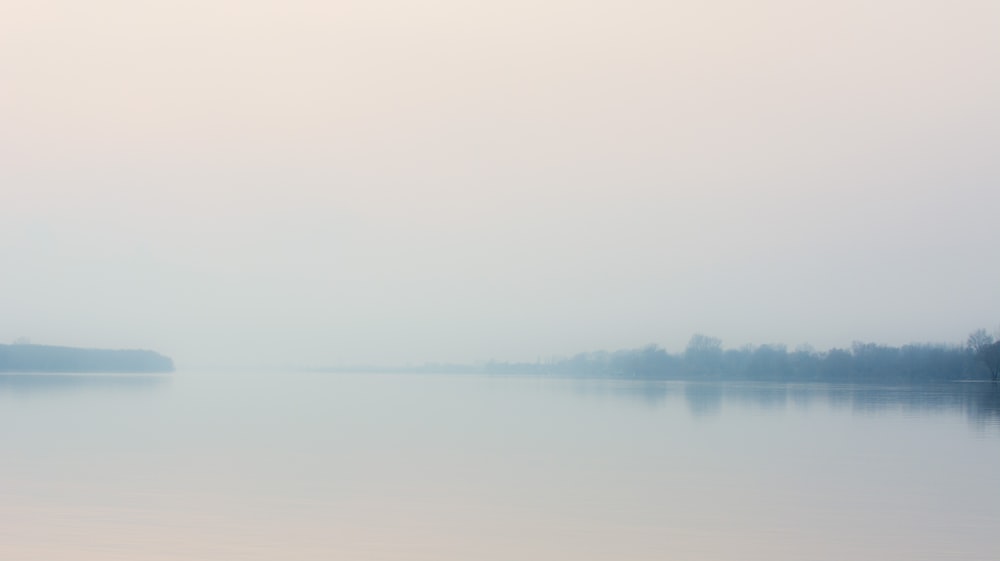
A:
[208, 466]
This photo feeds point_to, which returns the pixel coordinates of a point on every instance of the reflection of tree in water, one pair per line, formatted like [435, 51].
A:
[37, 384]
[984, 406]
[979, 401]
[703, 400]
[652, 393]
[765, 396]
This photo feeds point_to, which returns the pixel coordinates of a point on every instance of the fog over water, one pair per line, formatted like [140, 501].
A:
[309, 183]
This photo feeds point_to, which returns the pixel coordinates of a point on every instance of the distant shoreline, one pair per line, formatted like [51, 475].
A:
[705, 359]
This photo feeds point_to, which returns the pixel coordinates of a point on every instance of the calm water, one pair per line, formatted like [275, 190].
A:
[383, 467]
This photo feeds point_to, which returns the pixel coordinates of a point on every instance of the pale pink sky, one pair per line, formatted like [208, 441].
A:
[308, 183]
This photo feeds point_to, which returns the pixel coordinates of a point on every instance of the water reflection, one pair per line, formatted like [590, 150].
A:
[979, 401]
[14, 384]
[649, 393]
[704, 400]
[984, 405]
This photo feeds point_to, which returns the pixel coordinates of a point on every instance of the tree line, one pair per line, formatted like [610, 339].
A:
[705, 358]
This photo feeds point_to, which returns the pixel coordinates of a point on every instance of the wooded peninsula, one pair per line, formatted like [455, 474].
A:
[53, 359]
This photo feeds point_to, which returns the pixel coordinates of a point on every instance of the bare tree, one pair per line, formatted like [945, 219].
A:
[979, 340]
[986, 350]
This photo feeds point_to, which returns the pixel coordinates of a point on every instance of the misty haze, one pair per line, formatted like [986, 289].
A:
[551, 280]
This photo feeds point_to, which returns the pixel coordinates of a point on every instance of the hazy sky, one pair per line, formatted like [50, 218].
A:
[270, 183]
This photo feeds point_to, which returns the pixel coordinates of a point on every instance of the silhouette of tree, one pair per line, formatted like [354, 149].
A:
[703, 355]
[987, 351]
